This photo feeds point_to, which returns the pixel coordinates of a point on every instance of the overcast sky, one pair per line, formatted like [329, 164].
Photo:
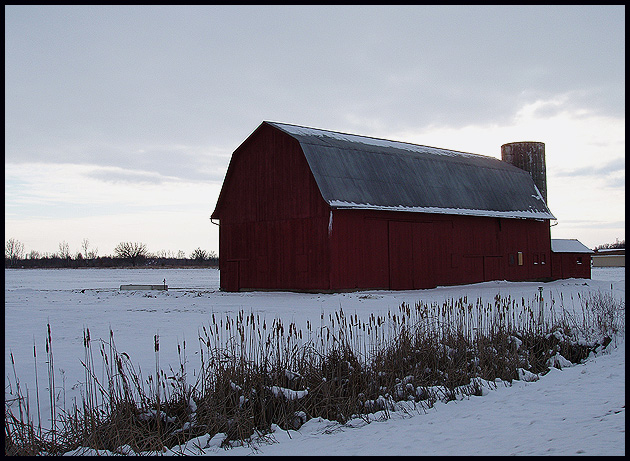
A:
[121, 120]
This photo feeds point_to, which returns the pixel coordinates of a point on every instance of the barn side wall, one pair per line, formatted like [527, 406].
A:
[397, 250]
[571, 265]
[273, 220]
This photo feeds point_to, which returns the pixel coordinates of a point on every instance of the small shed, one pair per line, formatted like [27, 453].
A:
[307, 209]
[570, 258]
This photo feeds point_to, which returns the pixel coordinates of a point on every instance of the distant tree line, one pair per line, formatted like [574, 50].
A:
[126, 254]
[612, 246]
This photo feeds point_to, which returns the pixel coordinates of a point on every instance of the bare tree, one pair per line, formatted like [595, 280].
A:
[133, 251]
[199, 254]
[64, 250]
[85, 244]
[88, 254]
[612, 246]
[93, 254]
[13, 250]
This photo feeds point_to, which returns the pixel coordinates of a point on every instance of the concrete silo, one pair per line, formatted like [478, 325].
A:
[528, 156]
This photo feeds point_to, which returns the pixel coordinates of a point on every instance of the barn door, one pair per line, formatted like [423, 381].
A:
[472, 267]
[425, 255]
[492, 269]
[400, 255]
[230, 280]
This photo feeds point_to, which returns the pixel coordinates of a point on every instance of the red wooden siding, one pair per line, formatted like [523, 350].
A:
[396, 250]
[571, 265]
[273, 221]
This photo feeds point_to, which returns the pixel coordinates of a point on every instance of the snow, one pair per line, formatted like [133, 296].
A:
[519, 214]
[612, 250]
[569, 246]
[528, 418]
[288, 394]
[579, 409]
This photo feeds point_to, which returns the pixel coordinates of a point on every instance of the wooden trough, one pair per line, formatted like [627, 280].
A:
[144, 287]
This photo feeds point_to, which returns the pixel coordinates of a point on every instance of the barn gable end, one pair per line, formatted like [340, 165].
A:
[273, 220]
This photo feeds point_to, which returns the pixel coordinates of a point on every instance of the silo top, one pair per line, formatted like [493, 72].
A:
[528, 156]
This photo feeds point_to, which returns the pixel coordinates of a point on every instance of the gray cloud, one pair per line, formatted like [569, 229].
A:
[614, 166]
[594, 224]
[123, 176]
[81, 79]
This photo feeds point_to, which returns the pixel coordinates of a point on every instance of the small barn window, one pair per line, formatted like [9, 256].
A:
[511, 259]
[543, 258]
[579, 260]
[520, 258]
[535, 258]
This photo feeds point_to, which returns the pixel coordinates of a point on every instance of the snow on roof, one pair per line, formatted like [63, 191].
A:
[526, 214]
[367, 140]
[610, 250]
[569, 246]
[354, 171]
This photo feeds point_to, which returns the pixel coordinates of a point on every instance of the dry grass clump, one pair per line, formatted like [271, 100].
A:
[255, 375]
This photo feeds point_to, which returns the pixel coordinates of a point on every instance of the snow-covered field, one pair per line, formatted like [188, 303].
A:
[576, 410]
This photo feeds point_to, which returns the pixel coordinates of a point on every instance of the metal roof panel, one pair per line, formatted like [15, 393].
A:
[354, 171]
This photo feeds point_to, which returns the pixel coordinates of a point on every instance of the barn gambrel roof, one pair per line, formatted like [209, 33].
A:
[369, 173]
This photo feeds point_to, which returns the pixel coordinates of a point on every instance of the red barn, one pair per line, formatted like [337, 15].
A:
[570, 259]
[314, 210]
